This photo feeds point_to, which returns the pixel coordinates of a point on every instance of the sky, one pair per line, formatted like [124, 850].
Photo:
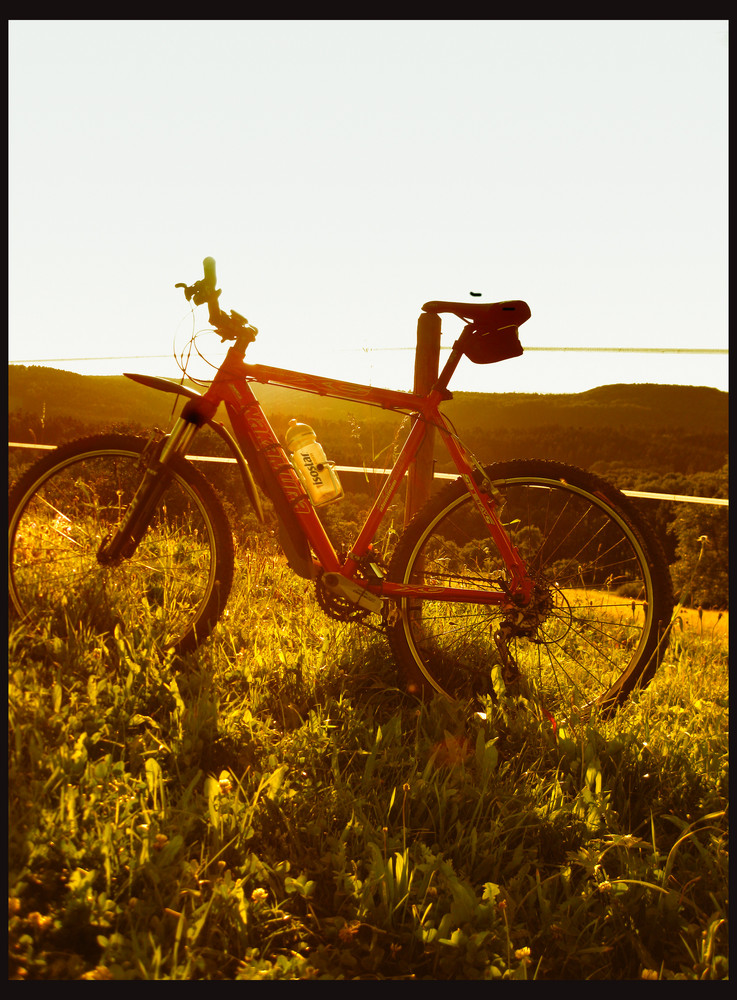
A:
[342, 173]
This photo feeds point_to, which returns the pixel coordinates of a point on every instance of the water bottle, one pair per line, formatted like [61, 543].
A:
[309, 461]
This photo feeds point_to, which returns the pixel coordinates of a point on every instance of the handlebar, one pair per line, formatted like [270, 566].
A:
[229, 326]
[208, 265]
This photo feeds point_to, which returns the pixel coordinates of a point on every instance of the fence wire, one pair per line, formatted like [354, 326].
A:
[361, 470]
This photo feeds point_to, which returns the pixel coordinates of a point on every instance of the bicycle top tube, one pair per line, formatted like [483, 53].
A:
[234, 369]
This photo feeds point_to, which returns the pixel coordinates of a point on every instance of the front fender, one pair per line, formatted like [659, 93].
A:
[164, 385]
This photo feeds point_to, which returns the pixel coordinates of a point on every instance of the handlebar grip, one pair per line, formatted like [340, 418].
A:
[210, 276]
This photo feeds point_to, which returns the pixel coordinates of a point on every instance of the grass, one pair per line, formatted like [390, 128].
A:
[274, 808]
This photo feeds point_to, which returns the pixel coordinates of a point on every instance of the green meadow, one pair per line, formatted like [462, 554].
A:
[274, 807]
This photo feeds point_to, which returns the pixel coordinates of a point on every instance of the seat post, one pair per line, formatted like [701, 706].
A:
[427, 360]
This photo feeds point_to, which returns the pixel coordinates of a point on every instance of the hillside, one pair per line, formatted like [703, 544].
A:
[87, 398]
[110, 399]
[696, 409]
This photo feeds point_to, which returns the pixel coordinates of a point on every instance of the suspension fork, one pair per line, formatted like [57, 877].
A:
[157, 457]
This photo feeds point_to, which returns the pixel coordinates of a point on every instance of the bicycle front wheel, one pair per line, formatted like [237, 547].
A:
[174, 586]
[597, 623]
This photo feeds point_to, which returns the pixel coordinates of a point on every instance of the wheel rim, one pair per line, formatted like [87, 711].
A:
[56, 533]
[597, 598]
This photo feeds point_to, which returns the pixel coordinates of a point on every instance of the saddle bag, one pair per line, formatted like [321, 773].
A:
[496, 337]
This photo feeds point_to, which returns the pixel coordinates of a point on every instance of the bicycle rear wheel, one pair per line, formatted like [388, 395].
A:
[597, 623]
[174, 586]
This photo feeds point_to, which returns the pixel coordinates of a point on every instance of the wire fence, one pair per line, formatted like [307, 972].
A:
[381, 350]
[362, 470]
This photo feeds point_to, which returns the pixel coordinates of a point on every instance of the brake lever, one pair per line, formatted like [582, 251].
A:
[233, 324]
[200, 292]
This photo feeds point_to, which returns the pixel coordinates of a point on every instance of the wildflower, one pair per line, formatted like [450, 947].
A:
[348, 931]
[39, 921]
[523, 955]
[649, 974]
[259, 896]
[605, 886]
[100, 972]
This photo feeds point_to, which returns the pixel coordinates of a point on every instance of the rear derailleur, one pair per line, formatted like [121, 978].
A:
[521, 623]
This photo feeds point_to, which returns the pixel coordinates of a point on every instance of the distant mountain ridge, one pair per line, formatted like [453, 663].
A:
[696, 409]
[111, 399]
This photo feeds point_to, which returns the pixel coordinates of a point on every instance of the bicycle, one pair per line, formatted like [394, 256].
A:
[526, 572]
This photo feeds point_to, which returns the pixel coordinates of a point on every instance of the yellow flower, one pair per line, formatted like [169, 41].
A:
[100, 972]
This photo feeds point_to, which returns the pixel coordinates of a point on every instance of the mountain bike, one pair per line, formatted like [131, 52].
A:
[524, 572]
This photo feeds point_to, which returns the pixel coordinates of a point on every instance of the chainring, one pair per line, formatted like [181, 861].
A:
[338, 607]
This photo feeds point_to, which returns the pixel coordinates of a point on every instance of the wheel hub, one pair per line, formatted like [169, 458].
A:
[524, 622]
[547, 607]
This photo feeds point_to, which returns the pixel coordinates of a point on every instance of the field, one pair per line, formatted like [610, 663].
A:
[273, 807]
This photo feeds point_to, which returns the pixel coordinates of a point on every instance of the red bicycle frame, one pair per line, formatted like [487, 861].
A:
[255, 434]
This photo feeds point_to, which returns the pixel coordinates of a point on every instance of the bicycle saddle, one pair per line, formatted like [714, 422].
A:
[487, 315]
